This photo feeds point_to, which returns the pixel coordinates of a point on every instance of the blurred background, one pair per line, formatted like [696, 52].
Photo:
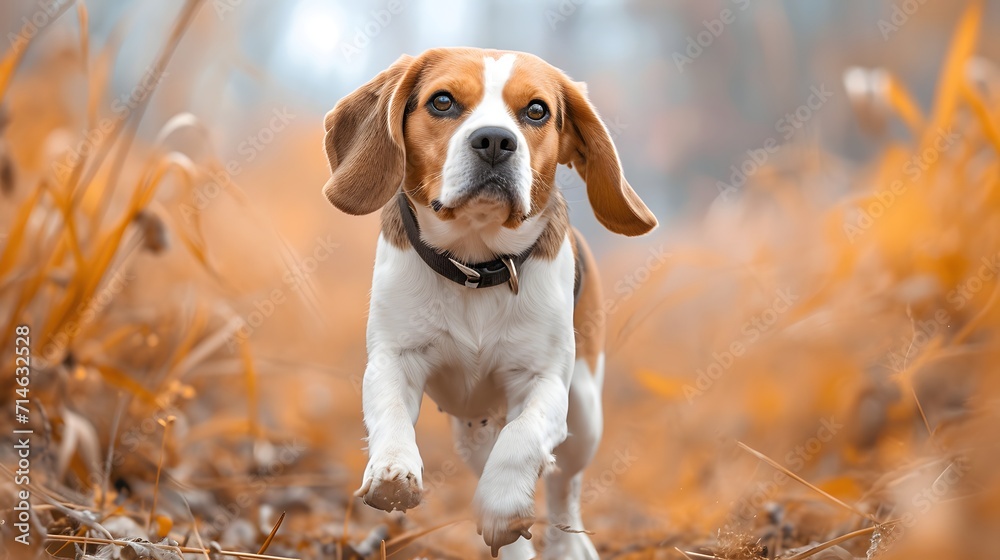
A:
[803, 353]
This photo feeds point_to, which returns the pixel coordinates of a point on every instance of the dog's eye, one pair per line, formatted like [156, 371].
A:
[442, 102]
[536, 111]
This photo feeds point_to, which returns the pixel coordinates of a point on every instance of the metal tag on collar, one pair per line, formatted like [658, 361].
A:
[472, 277]
[513, 281]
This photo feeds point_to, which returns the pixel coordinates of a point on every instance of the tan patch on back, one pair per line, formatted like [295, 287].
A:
[589, 319]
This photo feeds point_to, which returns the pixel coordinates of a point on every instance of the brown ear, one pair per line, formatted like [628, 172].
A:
[587, 146]
[364, 143]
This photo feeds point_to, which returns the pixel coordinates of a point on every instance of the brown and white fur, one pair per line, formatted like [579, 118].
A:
[520, 374]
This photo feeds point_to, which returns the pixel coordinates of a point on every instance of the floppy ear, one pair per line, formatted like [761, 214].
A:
[364, 142]
[586, 145]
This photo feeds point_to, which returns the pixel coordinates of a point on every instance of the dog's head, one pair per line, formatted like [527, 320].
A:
[474, 130]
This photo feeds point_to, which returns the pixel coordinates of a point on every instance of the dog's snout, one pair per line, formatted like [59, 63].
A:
[494, 144]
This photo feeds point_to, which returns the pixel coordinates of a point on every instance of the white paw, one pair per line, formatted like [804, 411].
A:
[392, 481]
[518, 550]
[504, 514]
[560, 545]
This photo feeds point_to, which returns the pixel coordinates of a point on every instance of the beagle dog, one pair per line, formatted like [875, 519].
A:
[483, 296]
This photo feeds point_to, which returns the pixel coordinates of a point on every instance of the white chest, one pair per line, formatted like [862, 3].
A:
[477, 346]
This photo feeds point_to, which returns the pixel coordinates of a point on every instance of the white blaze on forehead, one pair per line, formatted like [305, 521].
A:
[496, 73]
[492, 110]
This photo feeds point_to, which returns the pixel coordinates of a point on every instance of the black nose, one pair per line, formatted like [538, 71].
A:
[494, 144]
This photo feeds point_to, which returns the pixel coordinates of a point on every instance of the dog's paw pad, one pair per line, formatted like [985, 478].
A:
[502, 529]
[391, 488]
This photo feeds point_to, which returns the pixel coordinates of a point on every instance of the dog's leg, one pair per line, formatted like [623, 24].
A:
[563, 538]
[391, 392]
[473, 443]
[505, 497]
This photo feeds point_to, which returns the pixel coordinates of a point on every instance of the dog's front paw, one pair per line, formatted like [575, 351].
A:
[503, 516]
[392, 482]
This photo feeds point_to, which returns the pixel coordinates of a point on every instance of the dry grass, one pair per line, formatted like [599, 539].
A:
[160, 431]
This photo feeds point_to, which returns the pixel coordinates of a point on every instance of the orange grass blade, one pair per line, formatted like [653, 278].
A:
[86, 282]
[662, 385]
[195, 244]
[969, 327]
[250, 373]
[697, 556]
[91, 275]
[191, 332]
[128, 127]
[398, 543]
[27, 295]
[11, 60]
[900, 99]
[101, 71]
[270, 536]
[179, 549]
[159, 469]
[194, 527]
[635, 319]
[953, 76]
[15, 238]
[84, 19]
[121, 380]
[802, 481]
[345, 534]
[982, 112]
[65, 208]
[832, 543]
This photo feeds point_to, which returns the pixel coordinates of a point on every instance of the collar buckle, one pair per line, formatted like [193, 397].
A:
[513, 280]
[472, 276]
